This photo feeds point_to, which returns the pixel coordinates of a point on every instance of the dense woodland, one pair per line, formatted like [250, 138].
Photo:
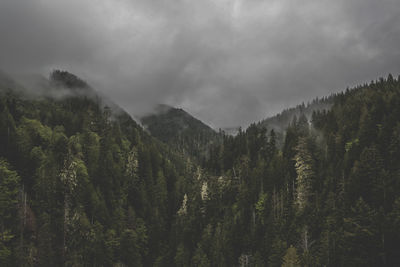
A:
[181, 131]
[83, 185]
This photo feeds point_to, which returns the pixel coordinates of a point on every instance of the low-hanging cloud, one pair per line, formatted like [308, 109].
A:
[229, 62]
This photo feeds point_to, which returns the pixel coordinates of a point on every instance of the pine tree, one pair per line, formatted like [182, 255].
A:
[291, 259]
[305, 174]
[9, 191]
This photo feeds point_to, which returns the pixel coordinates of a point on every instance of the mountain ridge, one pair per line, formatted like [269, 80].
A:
[82, 184]
[180, 130]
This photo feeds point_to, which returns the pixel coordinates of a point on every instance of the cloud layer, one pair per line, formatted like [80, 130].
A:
[228, 62]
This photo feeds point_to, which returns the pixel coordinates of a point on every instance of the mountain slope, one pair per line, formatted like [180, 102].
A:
[282, 120]
[329, 197]
[180, 130]
[81, 184]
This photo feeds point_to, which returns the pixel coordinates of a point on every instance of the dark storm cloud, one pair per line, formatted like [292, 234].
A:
[229, 62]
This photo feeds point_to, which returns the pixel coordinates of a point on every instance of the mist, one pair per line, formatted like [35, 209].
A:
[229, 63]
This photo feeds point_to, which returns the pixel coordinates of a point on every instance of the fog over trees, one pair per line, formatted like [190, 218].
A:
[82, 184]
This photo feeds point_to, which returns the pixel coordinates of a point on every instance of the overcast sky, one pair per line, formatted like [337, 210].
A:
[228, 62]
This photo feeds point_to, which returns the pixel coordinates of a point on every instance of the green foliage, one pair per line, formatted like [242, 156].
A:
[305, 174]
[276, 255]
[181, 131]
[360, 235]
[81, 184]
[9, 189]
[291, 259]
[131, 248]
[261, 206]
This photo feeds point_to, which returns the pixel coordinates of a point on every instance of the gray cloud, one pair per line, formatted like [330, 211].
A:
[229, 62]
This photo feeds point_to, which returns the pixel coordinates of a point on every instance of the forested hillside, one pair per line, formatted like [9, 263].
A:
[181, 131]
[281, 121]
[81, 184]
[330, 197]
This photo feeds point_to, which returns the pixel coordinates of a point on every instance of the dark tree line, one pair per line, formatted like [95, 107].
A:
[84, 185]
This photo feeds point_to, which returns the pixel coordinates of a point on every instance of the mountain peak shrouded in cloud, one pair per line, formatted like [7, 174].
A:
[181, 131]
[228, 62]
[69, 80]
[165, 116]
[6, 81]
[162, 108]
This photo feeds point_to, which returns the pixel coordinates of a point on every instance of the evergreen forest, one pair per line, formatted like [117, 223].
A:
[83, 184]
